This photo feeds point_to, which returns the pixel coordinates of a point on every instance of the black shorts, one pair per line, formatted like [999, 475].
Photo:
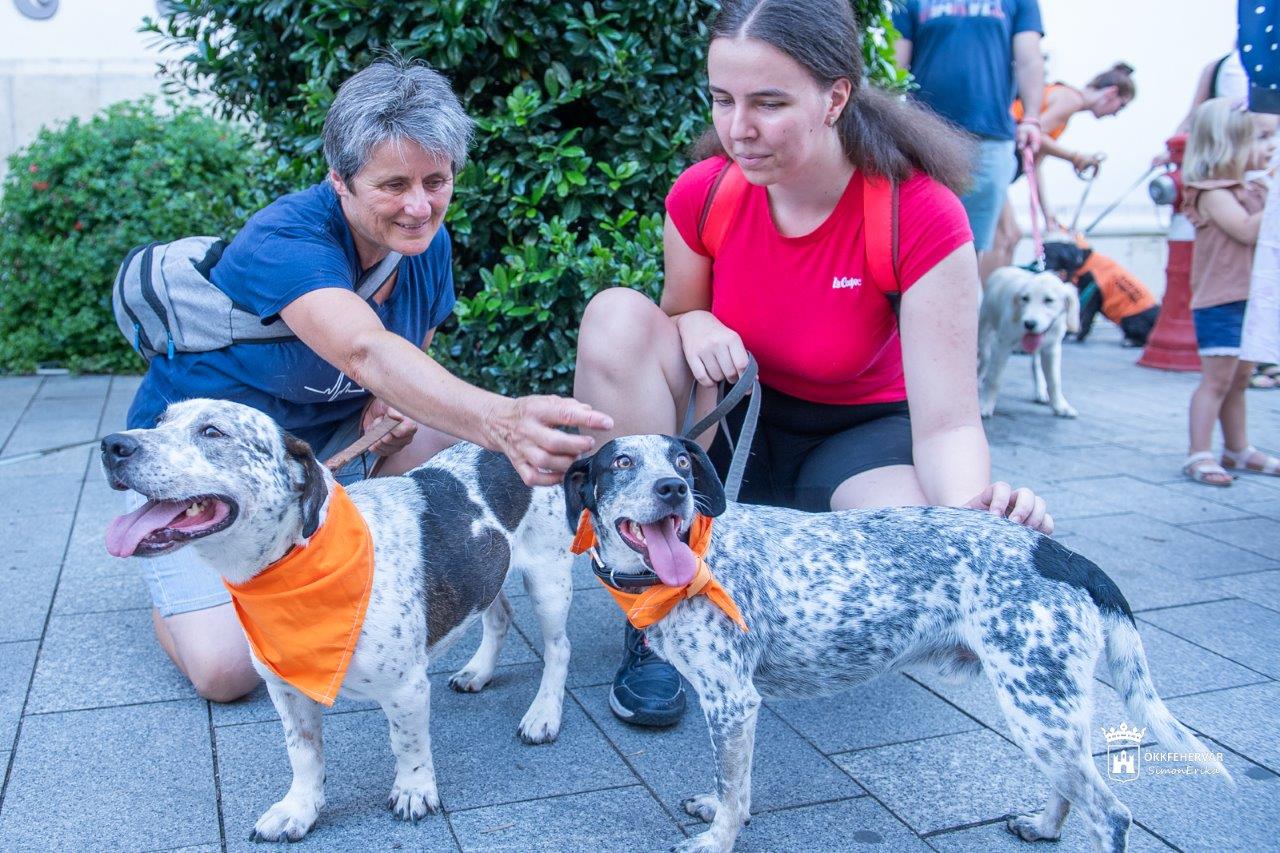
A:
[803, 451]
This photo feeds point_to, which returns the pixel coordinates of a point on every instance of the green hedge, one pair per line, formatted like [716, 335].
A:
[80, 196]
[585, 112]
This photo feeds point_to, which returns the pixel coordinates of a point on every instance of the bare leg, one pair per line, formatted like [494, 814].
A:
[209, 648]
[295, 814]
[892, 485]
[1232, 413]
[1002, 245]
[1216, 378]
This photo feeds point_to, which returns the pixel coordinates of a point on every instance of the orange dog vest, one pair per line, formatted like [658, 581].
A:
[654, 603]
[303, 613]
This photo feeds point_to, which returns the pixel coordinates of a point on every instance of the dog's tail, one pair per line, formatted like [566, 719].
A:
[1131, 676]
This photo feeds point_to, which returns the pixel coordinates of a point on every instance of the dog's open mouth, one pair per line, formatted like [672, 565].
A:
[663, 550]
[159, 526]
[1031, 341]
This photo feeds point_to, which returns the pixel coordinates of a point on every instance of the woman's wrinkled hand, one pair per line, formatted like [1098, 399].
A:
[400, 436]
[1022, 506]
[528, 431]
[713, 351]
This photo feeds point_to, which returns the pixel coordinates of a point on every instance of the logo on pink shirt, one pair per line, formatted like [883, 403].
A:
[839, 283]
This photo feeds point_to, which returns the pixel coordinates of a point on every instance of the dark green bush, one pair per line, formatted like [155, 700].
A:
[584, 113]
[79, 197]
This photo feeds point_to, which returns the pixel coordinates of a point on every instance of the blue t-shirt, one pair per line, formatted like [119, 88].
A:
[962, 57]
[297, 244]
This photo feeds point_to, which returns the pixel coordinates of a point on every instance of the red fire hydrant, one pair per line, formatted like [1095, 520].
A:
[1172, 343]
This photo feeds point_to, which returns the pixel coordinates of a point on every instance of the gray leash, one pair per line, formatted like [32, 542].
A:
[748, 382]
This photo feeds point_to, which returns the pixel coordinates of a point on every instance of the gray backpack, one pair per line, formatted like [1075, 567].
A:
[165, 302]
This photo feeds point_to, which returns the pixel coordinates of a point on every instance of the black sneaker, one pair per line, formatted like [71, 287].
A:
[647, 691]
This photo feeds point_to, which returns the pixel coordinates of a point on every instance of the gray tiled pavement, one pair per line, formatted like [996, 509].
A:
[103, 746]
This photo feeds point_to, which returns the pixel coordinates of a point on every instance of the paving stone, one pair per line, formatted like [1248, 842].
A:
[1046, 463]
[257, 708]
[16, 662]
[1259, 587]
[953, 780]
[1200, 814]
[1259, 535]
[994, 838]
[887, 710]
[42, 546]
[623, 819]
[95, 659]
[1150, 467]
[85, 387]
[861, 824]
[1244, 632]
[1125, 493]
[104, 584]
[33, 496]
[786, 771]
[73, 460]
[1245, 494]
[1243, 718]
[595, 635]
[253, 768]
[1144, 585]
[136, 778]
[28, 590]
[1171, 548]
[1179, 667]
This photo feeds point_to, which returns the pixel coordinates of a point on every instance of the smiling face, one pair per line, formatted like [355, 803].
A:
[397, 201]
[769, 113]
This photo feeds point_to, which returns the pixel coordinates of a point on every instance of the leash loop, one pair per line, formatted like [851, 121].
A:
[748, 383]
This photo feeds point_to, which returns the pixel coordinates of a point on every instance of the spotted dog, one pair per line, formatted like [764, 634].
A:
[1033, 311]
[225, 479]
[834, 599]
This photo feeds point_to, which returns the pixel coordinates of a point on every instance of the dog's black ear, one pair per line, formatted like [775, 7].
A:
[578, 493]
[707, 488]
[314, 488]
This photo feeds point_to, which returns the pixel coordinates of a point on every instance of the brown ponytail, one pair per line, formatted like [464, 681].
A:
[1119, 75]
[881, 133]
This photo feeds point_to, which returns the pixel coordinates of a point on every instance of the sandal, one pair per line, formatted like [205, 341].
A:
[1238, 460]
[1262, 380]
[1202, 468]
[1272, 370]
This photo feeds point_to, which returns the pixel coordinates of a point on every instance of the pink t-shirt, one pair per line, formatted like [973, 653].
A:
[805, 306]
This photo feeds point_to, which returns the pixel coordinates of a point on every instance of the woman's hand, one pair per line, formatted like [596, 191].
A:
[1019, 505]
[393, 442]
[1082, 162]
[527, 431]
[713, 351]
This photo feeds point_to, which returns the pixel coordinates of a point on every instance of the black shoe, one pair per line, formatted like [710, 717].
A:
[647, 691]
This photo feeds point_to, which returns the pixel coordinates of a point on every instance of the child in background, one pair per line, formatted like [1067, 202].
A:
[1226, 210]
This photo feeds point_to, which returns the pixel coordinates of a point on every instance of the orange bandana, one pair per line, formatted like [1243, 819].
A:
[303, 613]
[654, 603]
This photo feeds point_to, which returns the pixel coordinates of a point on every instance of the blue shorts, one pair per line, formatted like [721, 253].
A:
[181, 582]
[1218, 328]
[992, 172]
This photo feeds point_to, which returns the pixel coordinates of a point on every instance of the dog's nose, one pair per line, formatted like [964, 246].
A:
[118, 446]
[1029, 324]
[671, 490]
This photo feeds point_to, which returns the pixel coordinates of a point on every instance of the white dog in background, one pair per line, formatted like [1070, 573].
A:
[1034, 311]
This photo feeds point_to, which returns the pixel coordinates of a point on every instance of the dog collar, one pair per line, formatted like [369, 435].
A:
[302, 615]
[657, 599]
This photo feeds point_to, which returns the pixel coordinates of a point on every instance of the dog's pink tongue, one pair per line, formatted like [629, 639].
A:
[125, 532]
[672, 560]
[1031, 341]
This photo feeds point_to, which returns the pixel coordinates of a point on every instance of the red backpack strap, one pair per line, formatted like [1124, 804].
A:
[721, 207]
[880, 233]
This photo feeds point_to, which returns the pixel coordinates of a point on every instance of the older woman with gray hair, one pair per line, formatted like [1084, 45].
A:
[394, 139]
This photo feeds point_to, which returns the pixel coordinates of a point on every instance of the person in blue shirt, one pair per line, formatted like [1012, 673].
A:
[966, 57]
[394, 138]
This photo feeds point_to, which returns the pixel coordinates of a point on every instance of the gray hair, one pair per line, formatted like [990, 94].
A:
[394, 100]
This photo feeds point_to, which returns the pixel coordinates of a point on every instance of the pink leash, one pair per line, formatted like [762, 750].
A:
[1029, 169]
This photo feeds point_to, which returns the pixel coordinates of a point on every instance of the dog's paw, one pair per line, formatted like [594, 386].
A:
[1065, 410]
[413, 802]
[704, 843]
[704, 807]
[541, 723]
[287, 820]
[469, 681]
[1029, 827]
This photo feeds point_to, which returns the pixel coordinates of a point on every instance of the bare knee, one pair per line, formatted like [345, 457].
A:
[617, 327]
[222, 678]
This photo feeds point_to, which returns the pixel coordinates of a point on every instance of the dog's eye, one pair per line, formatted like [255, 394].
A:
[622, 461]
[1026, 297]
[1048, 300]
[211, 431]
[682, 462]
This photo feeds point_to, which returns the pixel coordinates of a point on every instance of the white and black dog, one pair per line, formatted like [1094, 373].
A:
[834, 599]
[1034, 311]
[225, 478]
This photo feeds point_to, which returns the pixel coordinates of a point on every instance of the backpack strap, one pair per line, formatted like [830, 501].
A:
[373, 280]
[721, 207]
[880, 235]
